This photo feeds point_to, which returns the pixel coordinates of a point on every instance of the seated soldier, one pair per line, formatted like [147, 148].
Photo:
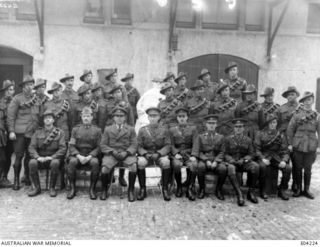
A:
[239, 154]
[272, 149]
[182, 138]
[118, 145]
[207, 147]
[84, 151]
[47, 150]
[154, 147]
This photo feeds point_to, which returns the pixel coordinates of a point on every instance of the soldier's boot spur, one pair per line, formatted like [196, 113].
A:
[93, 183]
[36, 190]
[201, 181]
[166, 176]
[251, 196]
[307, 181]
[219, 192]
[131, 191]
[53, 181]
[142, 182]
[177, 176]
[122, 181]
[105, 181]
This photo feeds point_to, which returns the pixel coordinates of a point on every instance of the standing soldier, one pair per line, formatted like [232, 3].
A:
[181, 91]
[182, 138]
[118, 145]
[237, 84]
[86, 77]
[84, 151]
[8, 90]
[250, 110]
[154, 147]
[47, 150]
[68, 93]
[284, 114]
[168, 106]
[239, 155]
[98, 97]
[85, 95]
[272, 150]
[210, 86]
[132, 94]
[42, 98]
[268, 106]
[198, 105]
[303, 138]
[224, 107]
[61, 110]
[170, 77]
[23, 120]
[111, 82]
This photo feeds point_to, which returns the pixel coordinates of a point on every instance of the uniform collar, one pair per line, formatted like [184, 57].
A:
[87, 126]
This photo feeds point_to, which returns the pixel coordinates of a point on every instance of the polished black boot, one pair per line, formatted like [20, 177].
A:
[131, 191]
[26, 177]
[219, 192]
[298, 191]
[122, 181]
[307, 181]
[191, 190]
[105, 184]
[262, 186]
[36, 183]
[16, 183]
[177, 176]
[142, 182]
[236, 187]
[251, 196]
[93, 183]
[72, 180]
[201, 181]
[166, 176]
[53, 181]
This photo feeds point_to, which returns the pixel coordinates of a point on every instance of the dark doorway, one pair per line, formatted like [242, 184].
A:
[216, 64]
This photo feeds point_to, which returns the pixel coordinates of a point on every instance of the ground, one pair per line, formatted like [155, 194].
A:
[58, 218]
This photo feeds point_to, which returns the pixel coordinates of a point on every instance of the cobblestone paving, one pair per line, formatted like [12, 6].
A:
[58, 218]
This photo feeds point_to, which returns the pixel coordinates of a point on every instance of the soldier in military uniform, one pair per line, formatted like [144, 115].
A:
[97, 95]
[268, 107]
[250, 110]
[237, 84]
[210, 86]
[42, 98]
[118, 145]
[61, 109]
[68, 93]
[198, 105]
[170, 77]
[7, 91]
[239, 155]
[168, 106]
[303, 137]
[181, 92]
[23, 120]
[110, 83]
[86, 77]
[132, 94]
[47, 149]
[272, 150]
[224, 107]
[84, 151]
[86, 99]
[154, 147]
[182, 137]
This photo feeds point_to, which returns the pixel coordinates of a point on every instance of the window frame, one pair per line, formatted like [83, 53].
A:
[308, 30]
[93, 19]
[255, 27]
[121, 21]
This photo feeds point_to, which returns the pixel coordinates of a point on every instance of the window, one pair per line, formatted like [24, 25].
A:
[121, 12]
[26, 10]
[217, 15]
[313, 25]
[255, 15]
[186, 16]
[94, 12]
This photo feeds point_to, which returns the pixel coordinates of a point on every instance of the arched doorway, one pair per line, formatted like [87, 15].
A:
[216, 64]
[14, 64]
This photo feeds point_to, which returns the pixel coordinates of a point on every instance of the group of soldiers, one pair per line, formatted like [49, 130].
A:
[213, 126]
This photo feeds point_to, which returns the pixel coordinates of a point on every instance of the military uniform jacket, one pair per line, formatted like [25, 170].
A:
[284, 114]
[39, 147]
[208, 146]
[266, 110]
[111, 104]
[4, 105]
[182, 138]
[115, 140]
[61, 108]
[71, 96]
[3, 119]
[235, 148]
[211, 90]
[85, 140]
[153, 139]
[198, 108]
[304, 130]
[23, 114]
[103, 112]
[183, 93]
[96, 112]
[168, 108]
[236, 85]
[108, 85]
[271, 144]
[133, 98]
